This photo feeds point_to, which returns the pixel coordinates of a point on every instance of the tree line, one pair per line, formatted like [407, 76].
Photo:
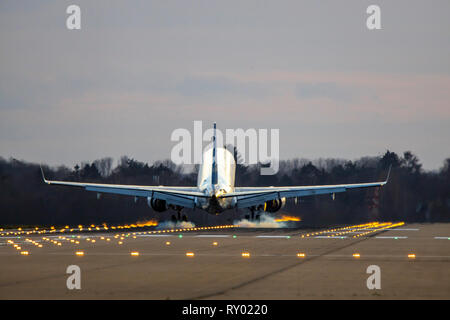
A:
[412, 194]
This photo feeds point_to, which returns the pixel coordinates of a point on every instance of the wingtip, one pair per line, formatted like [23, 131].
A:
[389, 173]
[42, 172]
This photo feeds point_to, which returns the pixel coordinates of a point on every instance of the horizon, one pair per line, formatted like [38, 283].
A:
[135, 73]
[188, 168]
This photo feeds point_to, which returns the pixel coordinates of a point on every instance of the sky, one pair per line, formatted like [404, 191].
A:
[138, 70]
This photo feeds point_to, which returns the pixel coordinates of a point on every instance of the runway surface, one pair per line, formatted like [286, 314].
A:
[228, 263]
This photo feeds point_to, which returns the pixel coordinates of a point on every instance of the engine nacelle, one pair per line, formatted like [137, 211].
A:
[274, 205]
[158, 205]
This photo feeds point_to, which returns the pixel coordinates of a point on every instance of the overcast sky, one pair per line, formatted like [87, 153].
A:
[137, 70]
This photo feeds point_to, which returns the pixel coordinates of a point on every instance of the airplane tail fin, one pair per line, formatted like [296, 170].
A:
[214, 160]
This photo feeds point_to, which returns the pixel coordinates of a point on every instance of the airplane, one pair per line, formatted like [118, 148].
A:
[215, 191]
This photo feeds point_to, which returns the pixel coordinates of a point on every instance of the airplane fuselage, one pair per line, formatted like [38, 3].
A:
[223, 183]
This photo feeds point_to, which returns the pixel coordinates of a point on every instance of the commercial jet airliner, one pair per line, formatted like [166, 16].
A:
[215, 191]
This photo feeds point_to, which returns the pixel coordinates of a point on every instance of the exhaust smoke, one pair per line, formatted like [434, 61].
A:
[177, 225]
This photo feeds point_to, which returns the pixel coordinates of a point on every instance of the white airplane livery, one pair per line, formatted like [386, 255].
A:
[215, 191]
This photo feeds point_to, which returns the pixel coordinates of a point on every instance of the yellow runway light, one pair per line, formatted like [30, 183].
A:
[301, 255]
[24, 253]
[215, 243]
[134, 253]
[411, 256]
[189, 254]
[167, 243]
[79, 253]
[356, 255]
[245, 254]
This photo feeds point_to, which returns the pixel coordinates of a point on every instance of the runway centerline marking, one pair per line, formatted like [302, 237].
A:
[284, 237]
[212, 236]
[391, 237]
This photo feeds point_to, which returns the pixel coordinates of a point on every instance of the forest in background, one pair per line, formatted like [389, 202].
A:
[412, 194]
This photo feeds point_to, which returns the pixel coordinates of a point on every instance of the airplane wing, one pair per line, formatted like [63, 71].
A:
[253, 196]
[181, 196]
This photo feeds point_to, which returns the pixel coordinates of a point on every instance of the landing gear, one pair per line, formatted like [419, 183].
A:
[254, 214]
[179, 217]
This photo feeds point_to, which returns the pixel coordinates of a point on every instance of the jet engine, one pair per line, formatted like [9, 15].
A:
[274, 205]
[158, 205]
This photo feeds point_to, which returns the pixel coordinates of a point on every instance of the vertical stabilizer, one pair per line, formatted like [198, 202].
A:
[214, 160]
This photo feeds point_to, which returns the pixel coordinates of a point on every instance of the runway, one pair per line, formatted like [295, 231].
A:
[228, 263]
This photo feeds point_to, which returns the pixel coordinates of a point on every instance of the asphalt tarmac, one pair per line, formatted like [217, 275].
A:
[229, 263]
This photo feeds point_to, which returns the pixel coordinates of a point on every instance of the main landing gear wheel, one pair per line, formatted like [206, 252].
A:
[178, 217]
[254, 215]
